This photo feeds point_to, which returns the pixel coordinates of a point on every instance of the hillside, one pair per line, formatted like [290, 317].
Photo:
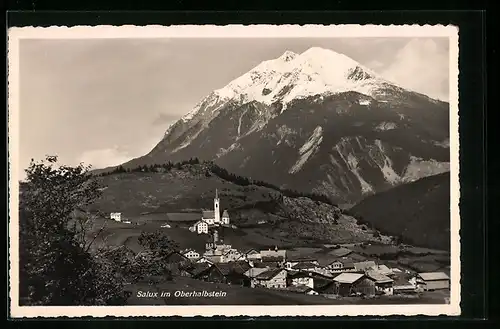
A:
[317, 121]
[264, 216]
[419, 212]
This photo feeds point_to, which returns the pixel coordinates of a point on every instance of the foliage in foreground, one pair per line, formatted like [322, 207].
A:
[57, 264]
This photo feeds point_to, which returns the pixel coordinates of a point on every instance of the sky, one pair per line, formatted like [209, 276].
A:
[105, 101]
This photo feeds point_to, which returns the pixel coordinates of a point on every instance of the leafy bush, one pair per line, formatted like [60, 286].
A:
[56, 266]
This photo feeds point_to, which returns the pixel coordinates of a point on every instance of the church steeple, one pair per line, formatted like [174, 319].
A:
[216, 207]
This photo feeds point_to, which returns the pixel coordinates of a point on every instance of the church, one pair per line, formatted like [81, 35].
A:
[210, 218]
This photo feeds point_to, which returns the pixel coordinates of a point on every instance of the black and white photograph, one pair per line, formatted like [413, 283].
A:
[291, 170]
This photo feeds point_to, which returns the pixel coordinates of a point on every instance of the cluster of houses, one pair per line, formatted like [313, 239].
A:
[340, 272]
[339, 276]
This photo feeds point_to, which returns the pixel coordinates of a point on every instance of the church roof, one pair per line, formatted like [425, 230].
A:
[208, 214]
[225, 214]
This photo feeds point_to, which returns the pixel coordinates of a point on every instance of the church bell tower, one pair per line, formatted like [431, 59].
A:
[216, 207]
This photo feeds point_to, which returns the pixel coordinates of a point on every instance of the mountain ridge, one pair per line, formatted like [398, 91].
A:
[289, 116]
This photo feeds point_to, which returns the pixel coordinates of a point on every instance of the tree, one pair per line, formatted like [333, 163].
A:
[154, 259]
[56, 267]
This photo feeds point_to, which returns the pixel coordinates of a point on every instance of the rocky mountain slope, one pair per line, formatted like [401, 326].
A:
[265, 212]
[316, 121]
[419, 212]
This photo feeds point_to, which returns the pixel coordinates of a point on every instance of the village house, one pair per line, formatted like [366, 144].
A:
[219, 252]
[306, 266]
[402, 285]
[272, 278]
[116, 216]
[253, 272]
[276, 253]
[253, 254]
[342, 265]
[272, 262]
[347, 284]
[231, 255]
[191, 254]
[383, 284]
[297, 278]
[211, 274]
[431, 281]
[215, 257]
[310, 279]
[290, 263]
[234, 274]
[200, 227]
[382, 269]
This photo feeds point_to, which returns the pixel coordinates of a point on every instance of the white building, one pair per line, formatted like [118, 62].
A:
[200, 227]
[191, 254]
[117, 216]
[225, 218]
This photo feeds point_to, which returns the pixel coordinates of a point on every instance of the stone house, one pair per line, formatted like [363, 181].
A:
[272, 278]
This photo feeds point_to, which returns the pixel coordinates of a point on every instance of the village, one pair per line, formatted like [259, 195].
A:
[339, 273]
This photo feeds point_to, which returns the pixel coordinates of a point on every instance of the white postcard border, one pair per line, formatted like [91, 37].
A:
[230, 31]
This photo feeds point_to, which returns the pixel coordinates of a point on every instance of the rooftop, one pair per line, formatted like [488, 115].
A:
[269, 274]
[378, 277]
[255, 271]
[208, 214]
[302, 259]
[348, 277]
[430, 276]
[304, 265]
[272, 259]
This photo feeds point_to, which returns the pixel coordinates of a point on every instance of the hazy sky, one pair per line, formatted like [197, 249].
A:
[104, 102]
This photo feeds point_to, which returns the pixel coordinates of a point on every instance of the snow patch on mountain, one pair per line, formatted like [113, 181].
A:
[345, 150]
[352, 162]
[389, 174]
[419, 168]
[385, 126]
[309, 147]
[291, 76]
[365, 102]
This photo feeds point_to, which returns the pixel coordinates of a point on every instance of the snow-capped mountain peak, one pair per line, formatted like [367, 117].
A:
[316, 71]
[291, 76]
[288, 56]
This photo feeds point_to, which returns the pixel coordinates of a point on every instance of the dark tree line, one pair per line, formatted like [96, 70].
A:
[245, 181]
[223, 174]
[165, 167]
